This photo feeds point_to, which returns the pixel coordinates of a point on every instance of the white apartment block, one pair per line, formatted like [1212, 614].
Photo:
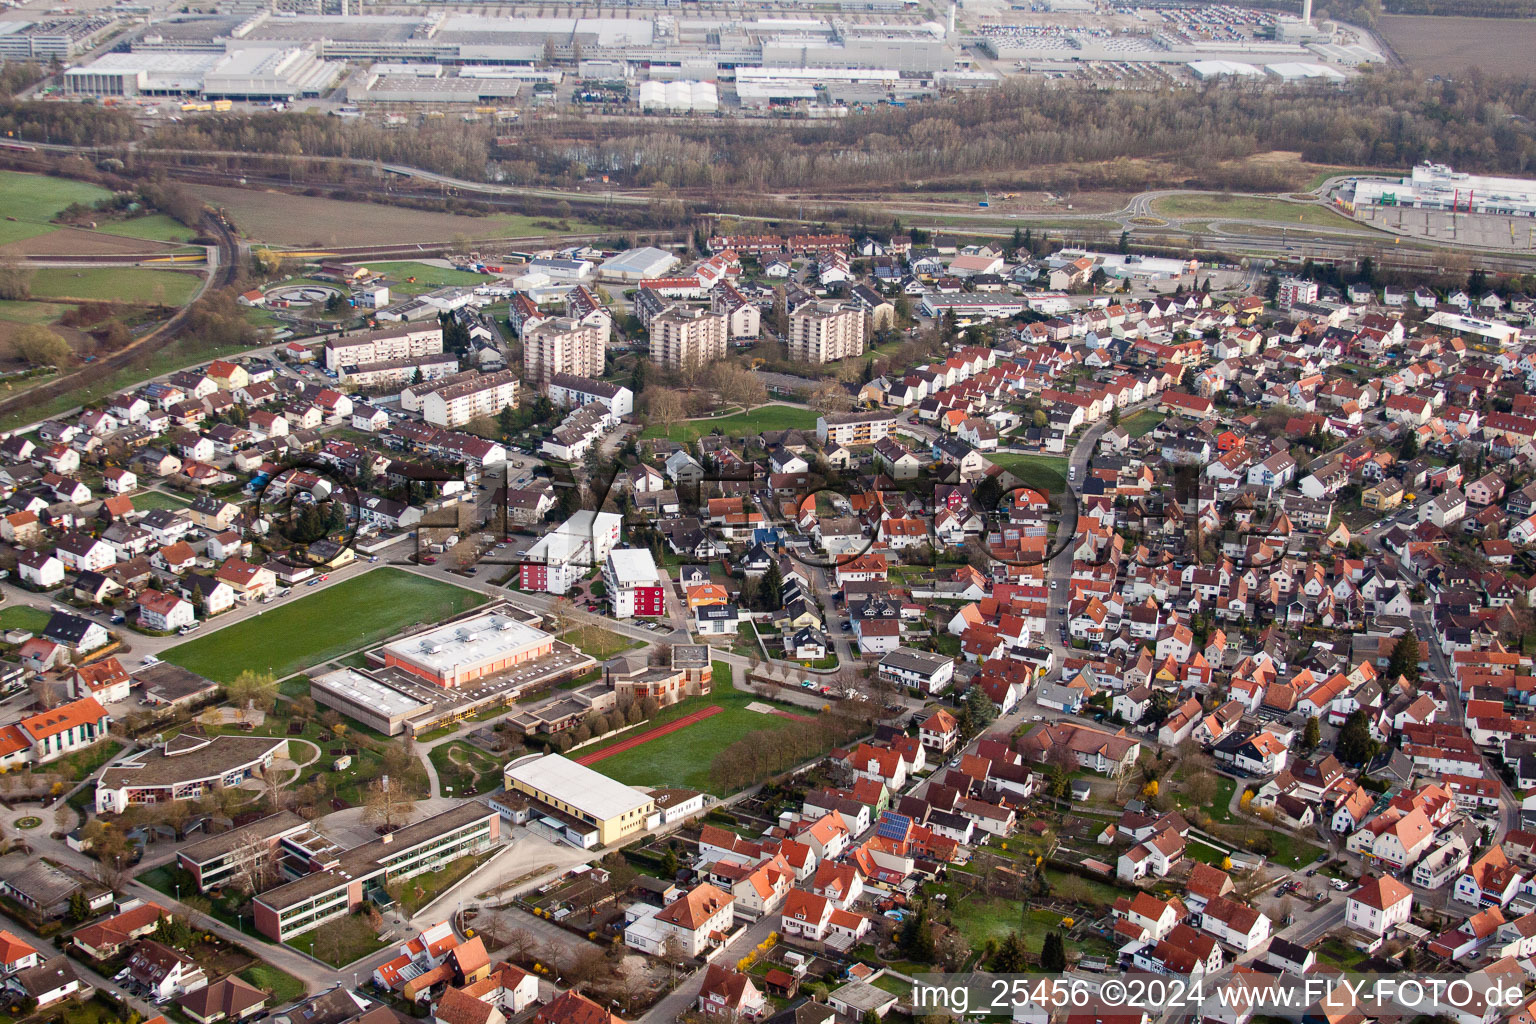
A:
[485, 395]
[389, 372]
[682, 336]
[824, 332]
[568, 391]
[378, 346]
[564, 344]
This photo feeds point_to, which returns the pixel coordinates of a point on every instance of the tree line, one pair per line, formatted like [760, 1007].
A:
[1049, 135]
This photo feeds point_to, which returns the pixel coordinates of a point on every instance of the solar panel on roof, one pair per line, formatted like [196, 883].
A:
[893, 826]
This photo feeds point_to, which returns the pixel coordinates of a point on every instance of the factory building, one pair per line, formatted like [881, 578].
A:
[57, 39]
[241, 74]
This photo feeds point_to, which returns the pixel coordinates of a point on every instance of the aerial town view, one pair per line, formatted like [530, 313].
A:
[794, 511]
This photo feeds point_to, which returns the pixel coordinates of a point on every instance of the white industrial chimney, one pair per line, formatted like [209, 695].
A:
[952, 17]
[1306, 11]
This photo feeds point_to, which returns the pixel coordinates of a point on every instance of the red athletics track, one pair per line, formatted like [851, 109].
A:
[791, 714]
[650, 734]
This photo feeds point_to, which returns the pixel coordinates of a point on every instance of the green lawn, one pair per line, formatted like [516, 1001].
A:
[1220, 808]
[427, 276]
[339, 942]
[601, 643]
[766, 417]
[118, 284]
[416, 892]
[82, 763]
[24, 617]
[682, 758]
[280, 985]
[1140, 423]
[154, 227]
[29, 202]
[308, 630]
[1248, 208]
[1043, 472]
[18, 312]
[1291, 851]
[146, 500]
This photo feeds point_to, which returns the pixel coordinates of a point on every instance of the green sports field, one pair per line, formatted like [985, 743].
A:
[115, 284]
[741, 424]
[29, 202]
[296, 632]
[683, 758]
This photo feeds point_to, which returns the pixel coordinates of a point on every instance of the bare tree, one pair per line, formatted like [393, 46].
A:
[663, 407]
[388, 803]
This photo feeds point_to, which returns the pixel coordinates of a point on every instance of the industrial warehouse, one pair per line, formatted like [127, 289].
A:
[1437, 187]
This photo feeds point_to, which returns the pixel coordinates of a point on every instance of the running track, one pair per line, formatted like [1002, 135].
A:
[650, 734]
[791, 714]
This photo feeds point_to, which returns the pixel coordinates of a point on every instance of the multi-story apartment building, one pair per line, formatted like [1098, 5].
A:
[855, 428]
[378, 346]
[404, 370]
[570, 551]
[682, 336]
[485, 395]
[824, 332]
[564, 344]
[634, 586]
[568, 391]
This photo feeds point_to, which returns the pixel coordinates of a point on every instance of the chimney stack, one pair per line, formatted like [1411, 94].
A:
[1306, 11]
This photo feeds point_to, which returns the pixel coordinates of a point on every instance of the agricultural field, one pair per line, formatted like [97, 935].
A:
[154, 227]
[116, 284]
[1439, 45]
[764, 417]
[309, 221]
[29, 202]
[1044, 472]
[683, 758]
[1219, 207]
[302, 631]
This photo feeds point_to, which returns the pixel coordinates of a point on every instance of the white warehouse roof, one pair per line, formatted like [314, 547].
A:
[576, 785]
[679, 95]
[1216, 68]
